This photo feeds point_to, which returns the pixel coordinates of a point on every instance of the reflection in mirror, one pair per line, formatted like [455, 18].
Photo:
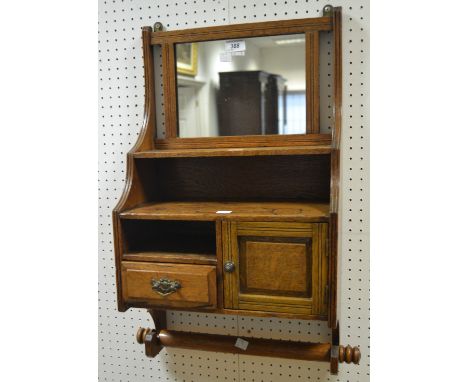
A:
[254, 86]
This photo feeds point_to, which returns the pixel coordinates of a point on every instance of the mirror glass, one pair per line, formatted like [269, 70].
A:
[253, 86]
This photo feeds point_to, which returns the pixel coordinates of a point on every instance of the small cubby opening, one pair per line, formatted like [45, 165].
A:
[237, 179]
[169, 237]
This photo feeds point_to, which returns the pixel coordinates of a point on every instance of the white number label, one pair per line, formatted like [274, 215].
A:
[241, 344]
[235, 46]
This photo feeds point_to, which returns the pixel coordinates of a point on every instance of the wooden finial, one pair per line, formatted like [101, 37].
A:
[149, 337]
[349, 354]
[141, 334]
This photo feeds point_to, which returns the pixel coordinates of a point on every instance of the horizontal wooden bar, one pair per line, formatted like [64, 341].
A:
[234, 152]
[245, 141]
[171, 257]
[306, 351]
[234, 31]
[232, 312]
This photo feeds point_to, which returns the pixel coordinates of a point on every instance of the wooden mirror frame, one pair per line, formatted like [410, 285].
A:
[310, 27]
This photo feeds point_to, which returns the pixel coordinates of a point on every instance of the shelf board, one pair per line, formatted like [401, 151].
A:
[171, 257]
[234, 152]
[246, 211]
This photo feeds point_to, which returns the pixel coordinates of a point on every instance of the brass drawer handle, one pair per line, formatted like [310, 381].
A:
[165, 286]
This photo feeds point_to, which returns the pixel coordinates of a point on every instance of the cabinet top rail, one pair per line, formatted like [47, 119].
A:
[233, 31]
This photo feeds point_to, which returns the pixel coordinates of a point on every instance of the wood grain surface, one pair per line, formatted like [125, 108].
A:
[198, 284]
[207, 211]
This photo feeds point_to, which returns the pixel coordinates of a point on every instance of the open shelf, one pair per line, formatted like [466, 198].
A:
[246, 211]
[192, 242]
[236, 179]
[234, 152]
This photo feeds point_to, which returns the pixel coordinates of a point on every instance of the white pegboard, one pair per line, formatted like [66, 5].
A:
[121, 96]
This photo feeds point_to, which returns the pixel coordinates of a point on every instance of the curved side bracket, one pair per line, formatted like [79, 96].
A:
[146, 137]
[133, 192]
[150, 337]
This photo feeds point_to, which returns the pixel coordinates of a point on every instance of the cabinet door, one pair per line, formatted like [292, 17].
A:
[276, 267]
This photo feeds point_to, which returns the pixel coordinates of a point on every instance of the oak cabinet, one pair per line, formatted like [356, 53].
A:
[277, 267]
[239, 224]
[244, 222]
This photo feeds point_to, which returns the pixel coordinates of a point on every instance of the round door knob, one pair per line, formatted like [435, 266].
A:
[229, 266]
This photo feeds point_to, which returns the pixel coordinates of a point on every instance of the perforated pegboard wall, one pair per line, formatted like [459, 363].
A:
[121, 99]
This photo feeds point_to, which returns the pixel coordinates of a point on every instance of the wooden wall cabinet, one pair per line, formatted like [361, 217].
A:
[238, 224]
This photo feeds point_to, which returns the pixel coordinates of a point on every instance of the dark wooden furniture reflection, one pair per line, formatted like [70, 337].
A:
[233, 225]
[248, 103]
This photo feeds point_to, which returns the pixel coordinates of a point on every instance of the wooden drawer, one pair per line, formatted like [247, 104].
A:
[169, 285]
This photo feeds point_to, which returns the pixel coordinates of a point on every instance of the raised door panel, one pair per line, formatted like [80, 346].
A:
[278, 267]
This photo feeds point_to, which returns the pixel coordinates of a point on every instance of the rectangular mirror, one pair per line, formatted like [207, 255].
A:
[252, 86]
